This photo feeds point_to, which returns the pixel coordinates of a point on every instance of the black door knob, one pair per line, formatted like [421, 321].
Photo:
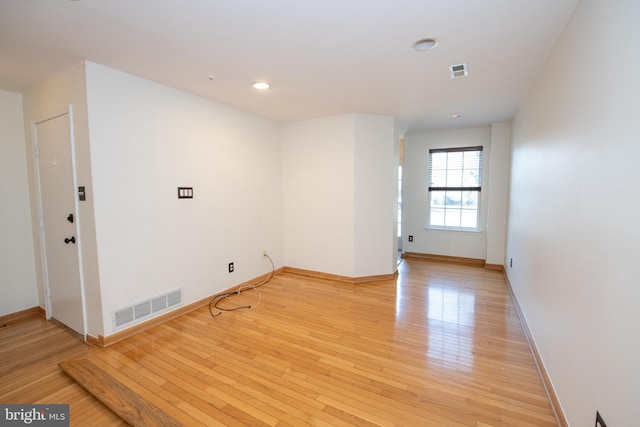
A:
[70, 240]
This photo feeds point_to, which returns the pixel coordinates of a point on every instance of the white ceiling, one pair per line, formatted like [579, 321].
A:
[322, 57]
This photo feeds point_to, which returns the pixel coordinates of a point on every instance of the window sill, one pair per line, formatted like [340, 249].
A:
[463, 230]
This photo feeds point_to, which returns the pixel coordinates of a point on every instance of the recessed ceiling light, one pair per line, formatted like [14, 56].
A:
[425, 44]
[261, 85]
[454, 116]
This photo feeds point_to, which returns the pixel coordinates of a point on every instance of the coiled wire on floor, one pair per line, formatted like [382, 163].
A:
[230, 295]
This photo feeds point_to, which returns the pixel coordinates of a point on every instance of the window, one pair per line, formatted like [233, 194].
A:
[455, 181]
[400, 201]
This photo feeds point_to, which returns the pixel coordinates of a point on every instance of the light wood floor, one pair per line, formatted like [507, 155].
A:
[441, 347]
[30, 351]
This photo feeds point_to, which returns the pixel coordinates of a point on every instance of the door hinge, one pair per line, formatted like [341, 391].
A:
[41, 223]
[36, 152]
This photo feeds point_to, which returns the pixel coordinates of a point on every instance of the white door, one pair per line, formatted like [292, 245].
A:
[59, 222]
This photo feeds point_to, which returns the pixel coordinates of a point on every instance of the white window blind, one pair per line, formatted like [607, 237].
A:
[455, 182]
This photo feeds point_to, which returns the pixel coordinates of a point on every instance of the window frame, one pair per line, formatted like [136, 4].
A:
[431, 189]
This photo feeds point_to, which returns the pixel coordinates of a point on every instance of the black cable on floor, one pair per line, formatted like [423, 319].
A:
[225, 295]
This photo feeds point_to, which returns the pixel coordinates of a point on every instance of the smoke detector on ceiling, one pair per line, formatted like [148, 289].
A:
[458, 70]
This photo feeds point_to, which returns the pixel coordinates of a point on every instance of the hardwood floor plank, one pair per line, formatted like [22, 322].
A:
[162, 397]
[133, 408]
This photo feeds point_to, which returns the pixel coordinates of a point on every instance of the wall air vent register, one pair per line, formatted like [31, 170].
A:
[129, 315]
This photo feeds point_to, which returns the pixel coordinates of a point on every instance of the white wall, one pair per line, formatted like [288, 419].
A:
[574, 207]
[318, 159]
[41, 102]
[339, 194]
[415, 195]
[148, 139]
[497, 198]
[376, 195]
[18, 287]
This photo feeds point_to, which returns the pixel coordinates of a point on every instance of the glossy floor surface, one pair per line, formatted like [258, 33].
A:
[442, 346]
[30, 350]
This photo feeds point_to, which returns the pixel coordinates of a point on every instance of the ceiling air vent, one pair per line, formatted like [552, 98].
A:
[458, 70]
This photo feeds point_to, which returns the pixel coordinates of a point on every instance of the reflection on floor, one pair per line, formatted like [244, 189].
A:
[441, 346]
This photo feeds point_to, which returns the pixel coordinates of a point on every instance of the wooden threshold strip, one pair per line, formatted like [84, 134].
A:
[130, 406]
